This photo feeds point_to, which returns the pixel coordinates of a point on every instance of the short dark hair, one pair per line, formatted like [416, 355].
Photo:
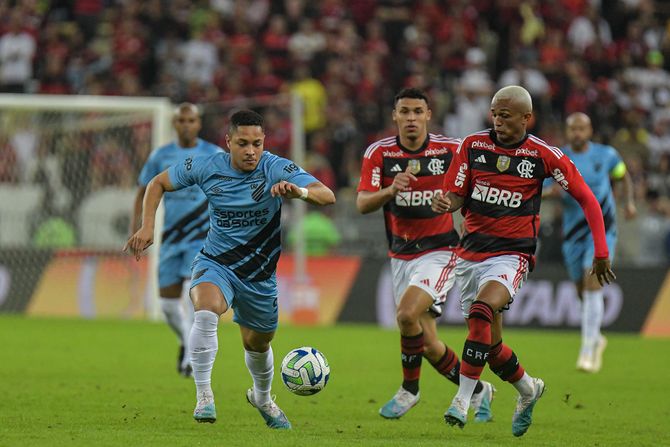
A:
[413, 93]
[245, 118]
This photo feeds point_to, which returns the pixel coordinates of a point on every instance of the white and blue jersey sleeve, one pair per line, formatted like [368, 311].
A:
[244, 218]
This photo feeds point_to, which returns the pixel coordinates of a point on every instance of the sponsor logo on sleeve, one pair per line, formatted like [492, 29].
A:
[560, 178]
[461, 175]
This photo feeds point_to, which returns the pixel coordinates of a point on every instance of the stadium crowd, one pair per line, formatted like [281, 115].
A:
[607, 58]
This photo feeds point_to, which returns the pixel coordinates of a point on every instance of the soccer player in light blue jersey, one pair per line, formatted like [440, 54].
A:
[600, 165]
[237, 265]
[184, 227]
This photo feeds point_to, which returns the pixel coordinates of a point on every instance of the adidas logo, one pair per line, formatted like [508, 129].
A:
[481, 159]
[503, 276]
[396, 168]
[425, 282]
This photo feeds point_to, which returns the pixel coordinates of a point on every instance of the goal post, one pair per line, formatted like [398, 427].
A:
[69, 153]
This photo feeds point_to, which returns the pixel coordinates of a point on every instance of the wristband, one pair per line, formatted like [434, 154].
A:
[303, 193]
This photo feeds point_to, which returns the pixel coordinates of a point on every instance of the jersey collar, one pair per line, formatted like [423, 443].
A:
[493, 137]
[409, 151]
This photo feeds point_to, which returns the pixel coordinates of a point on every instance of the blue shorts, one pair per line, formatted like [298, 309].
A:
[175, 261]
[254, 303]
[578, 256]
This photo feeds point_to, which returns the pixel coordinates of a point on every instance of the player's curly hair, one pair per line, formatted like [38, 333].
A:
[412, 92]
[245, 117]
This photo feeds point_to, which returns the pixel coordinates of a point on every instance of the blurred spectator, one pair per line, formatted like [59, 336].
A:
[585, 29]
[55, 232]
[654, 231]
[314, 98]
[17, 49]
[321, 234]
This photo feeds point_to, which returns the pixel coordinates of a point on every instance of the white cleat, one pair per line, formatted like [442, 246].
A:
[585, 363]
[400, 403]
[597, 361]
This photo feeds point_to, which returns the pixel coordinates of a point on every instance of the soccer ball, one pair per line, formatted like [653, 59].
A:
[305, 371]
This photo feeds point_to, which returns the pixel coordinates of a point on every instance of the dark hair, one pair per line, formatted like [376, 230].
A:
[245, 118]
[413, 93]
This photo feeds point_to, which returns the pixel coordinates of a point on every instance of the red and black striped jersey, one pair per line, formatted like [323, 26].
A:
[412, 228]
[502, 187]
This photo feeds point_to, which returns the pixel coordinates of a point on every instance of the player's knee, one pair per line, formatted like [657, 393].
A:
[406, 317]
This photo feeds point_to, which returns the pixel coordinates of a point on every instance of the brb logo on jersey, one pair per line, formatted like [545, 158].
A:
[415, 198]
[496, 196]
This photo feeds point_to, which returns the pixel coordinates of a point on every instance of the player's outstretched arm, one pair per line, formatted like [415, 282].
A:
[369, 201]
[577, 188]
[315, 193]
[136, 222]
[144, 237]
[446, 203]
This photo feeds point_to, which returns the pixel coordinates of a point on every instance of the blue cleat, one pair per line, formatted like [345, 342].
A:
[523, 415]
[205, 411]
[481, 403]
[457, 414]
[272, 414]
[401, 403]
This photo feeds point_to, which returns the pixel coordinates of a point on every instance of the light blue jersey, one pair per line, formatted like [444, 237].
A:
[186, 220]
[244, 241]
[596, 165]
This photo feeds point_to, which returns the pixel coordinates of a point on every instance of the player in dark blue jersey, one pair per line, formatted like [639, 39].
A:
[600, 165]
[236, 267]
[184, 227]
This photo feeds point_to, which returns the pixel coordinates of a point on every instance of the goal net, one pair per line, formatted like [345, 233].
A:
[68, 173]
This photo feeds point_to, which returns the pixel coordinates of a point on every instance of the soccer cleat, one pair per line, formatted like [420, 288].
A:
[597, 362]
[523, 414]
[205, 411]
[272, 414]
[457, 414]
[585, 363]
[401, 403]
[481, 403]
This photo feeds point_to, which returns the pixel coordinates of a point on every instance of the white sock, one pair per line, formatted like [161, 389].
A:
[524, 385]
[261, 368]
[174, 315]
[593, 308]
[204, 343]
[465, 390]
[187, 322]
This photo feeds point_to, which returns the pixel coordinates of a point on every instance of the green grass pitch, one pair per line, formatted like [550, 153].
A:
[114, 383]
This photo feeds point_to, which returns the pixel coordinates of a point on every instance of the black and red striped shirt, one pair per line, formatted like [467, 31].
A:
[502, 186]
[412, 228]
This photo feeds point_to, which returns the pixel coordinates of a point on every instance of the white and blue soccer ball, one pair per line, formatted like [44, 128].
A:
[305, 371]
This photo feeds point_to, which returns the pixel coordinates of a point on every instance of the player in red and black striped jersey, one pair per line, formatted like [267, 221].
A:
[401, 174]
[496, 178]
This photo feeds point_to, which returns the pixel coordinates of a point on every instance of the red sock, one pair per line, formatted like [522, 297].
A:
[478, 343]
[503, 362]
[411, 349]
